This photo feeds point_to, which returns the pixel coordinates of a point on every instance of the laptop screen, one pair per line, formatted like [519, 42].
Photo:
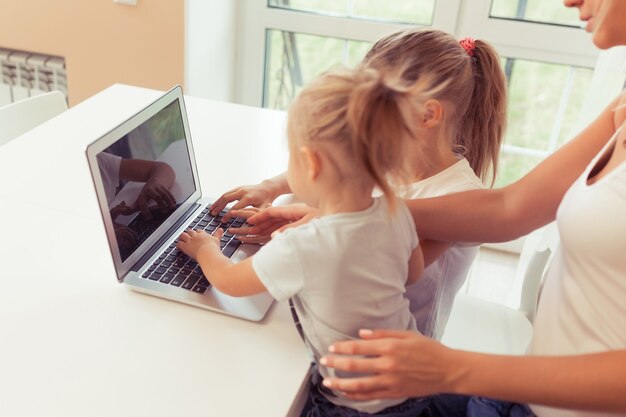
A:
[146, 175]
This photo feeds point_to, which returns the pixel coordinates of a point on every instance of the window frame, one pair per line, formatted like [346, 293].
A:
[556, 44]
[255, 17]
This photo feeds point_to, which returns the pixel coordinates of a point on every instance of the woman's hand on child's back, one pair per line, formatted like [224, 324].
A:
[400, 364]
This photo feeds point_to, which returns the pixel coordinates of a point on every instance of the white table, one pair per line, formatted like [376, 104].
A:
[74, 342]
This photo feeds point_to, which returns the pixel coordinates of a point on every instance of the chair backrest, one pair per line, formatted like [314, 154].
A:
[20, 117]
[534, 261]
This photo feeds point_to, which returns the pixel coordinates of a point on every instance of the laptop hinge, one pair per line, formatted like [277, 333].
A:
[165, 237]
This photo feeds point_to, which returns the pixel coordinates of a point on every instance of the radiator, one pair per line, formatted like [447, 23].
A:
[27, 74]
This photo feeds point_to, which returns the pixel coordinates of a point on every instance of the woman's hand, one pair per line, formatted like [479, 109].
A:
[404, 364]
[258, 195]
[264, 223]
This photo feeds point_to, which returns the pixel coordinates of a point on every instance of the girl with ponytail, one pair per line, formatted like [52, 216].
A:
[460, 134]
[349, 133]
[463, 128]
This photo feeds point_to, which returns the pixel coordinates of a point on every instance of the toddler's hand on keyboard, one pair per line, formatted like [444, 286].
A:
[192, 241]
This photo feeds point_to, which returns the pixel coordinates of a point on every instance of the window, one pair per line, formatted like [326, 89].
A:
[403, 11]
[544, 101]
[294, 59]
[539, 11]
[547, 57]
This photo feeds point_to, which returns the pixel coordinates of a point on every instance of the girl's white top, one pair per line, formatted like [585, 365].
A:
[433, 295]
[344, 272]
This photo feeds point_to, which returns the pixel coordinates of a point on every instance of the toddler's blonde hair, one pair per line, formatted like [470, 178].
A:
[369, 114]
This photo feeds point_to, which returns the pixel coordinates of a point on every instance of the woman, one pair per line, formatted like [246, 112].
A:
[577, 360]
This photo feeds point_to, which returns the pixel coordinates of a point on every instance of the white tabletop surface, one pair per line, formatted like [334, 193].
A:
[74, 342]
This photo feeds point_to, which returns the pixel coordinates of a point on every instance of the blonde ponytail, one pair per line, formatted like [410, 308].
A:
[370, 114]
[379, 116]
[484, 121]
[473, 86]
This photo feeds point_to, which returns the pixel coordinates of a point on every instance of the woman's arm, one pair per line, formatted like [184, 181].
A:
[507, 213]
[409, 364]
[432, 250]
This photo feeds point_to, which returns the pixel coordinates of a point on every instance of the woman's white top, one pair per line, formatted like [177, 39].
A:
[582, 308]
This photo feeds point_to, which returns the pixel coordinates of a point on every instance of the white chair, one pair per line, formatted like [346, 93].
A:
[482, 326]
[20, 117]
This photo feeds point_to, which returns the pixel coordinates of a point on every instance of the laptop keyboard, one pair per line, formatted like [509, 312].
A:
[173, 267]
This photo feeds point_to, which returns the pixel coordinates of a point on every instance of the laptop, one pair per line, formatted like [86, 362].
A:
[143, 223]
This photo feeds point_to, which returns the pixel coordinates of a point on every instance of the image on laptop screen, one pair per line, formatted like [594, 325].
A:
[146, 175]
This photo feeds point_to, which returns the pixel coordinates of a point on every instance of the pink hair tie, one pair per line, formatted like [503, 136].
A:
[468, 44]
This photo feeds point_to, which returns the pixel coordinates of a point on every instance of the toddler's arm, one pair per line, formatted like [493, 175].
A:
[238, 279]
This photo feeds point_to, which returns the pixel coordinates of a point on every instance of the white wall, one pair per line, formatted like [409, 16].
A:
[210, 42]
